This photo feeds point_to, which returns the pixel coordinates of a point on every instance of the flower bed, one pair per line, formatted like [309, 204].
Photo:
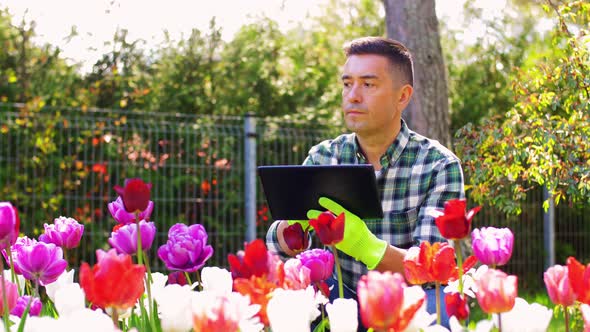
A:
[260, 291]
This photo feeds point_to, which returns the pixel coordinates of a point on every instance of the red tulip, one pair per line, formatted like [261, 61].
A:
[456, 305]
[455, 222]
[297, 239]
[135, 195]
[383, 302]
[579, 276]
[252, 261]
[330, 229]
[558, 285]
[496, 291]
[433, 263]
[114, 282]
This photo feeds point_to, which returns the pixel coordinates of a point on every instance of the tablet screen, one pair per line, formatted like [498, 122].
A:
[292, 190]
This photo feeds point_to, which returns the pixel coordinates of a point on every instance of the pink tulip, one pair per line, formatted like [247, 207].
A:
[11, 295]
[496, 291]
[558, 285]
[492, 246]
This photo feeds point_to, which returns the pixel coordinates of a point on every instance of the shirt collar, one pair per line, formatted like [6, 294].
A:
[393, 152]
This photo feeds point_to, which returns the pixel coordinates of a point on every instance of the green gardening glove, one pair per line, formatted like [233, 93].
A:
[358, 242]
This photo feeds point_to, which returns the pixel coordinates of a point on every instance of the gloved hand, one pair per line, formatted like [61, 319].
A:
[358, 242]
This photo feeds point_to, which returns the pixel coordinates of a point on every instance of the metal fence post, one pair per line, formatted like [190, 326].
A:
[250, 175]
[549, 230]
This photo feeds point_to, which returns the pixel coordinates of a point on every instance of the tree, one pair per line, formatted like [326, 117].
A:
[414, 23]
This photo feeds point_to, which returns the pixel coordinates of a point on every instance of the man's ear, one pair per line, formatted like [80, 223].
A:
[405, 95]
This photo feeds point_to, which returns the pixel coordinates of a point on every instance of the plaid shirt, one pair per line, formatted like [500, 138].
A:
[417, 174]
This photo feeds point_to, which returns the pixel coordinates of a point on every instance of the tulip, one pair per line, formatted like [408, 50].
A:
[177, 278]
[496, 291]
[579, 276]
[329, 229]
[525, 317]
[22, 241]
[117, 210]
[216, 280]
[221, 313]
[135, 195]
[9, 224]
[382, 302]
[66, 278]
[433, 263]
[492, 246]
[320, 262]
[21, 305]
[343, 315]
[41, 262]
[174, 304]
[64, 232]
[585, 309]
[124, 239]
[69, 299]
[252, 261]
[259, 290]
[187, 249]
[558, 285]
[296, 238]
[297, 275]
[113, 282]
[11, 296]
[454, 223]
[292, 310]
[91, 320]
[456, 305]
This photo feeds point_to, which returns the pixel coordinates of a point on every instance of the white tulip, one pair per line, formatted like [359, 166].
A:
[343, 315]
[215, 279]
[68, 298]
[86, 320]
[537, 317]
[66, 278]
[422, 318]
[292, 310]
[174, 306]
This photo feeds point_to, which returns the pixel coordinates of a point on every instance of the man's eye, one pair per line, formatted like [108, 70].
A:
[346, 84]
[369, 85]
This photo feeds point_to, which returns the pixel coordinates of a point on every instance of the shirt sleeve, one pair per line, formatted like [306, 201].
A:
[447, 183]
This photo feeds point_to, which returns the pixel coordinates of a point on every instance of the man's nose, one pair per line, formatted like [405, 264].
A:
[354, 95]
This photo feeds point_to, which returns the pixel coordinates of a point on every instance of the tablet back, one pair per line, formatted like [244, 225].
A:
[292, 190]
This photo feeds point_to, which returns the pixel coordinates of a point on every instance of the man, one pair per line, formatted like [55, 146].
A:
[414, 174]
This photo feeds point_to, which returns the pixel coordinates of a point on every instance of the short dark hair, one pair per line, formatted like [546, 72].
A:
[398, 55]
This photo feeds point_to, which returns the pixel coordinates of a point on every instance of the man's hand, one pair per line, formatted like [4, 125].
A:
[358, 242]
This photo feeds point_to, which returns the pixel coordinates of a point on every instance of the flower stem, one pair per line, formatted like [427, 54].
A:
[199, 280]
[438, 313]
[188, 278]
[115, 317]
[13, 276]
[459, 254]
[139, 248]
[148, 286]
[567, 319]
[338, 272]
[4, 299]
[499, 322]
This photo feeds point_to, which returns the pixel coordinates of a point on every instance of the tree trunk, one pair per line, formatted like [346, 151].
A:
[414, 23]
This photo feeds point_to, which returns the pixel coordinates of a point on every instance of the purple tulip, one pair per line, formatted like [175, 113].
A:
[319, 261]
[21, 305]
[40, 261]
[65, 233]
[117, 209]
[124, 239]
[9, 224]
[492, 246]
[186, 249]
[20, 242]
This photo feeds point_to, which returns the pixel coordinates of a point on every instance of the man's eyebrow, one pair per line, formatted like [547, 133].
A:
[365, 77]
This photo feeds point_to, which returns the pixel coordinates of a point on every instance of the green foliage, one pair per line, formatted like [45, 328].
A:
[544, 139]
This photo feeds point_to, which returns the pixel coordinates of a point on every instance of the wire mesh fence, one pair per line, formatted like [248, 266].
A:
[56, 162]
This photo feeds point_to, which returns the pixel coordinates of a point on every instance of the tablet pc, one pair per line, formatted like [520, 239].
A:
[294, 189]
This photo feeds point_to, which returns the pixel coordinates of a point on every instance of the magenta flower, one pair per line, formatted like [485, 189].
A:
[40, 261]
[187, 249]
[21, 305]
[124, 239]
[492, 246]
[65, 233]
[319, 261]
[119, 213]
[9, 224]
[11, 295]
[20, 242]
[135, 195]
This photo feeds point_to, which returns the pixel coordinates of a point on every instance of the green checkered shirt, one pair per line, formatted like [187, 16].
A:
[417, 174]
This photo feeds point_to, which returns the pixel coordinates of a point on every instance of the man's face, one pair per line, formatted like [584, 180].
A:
[370, 95]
